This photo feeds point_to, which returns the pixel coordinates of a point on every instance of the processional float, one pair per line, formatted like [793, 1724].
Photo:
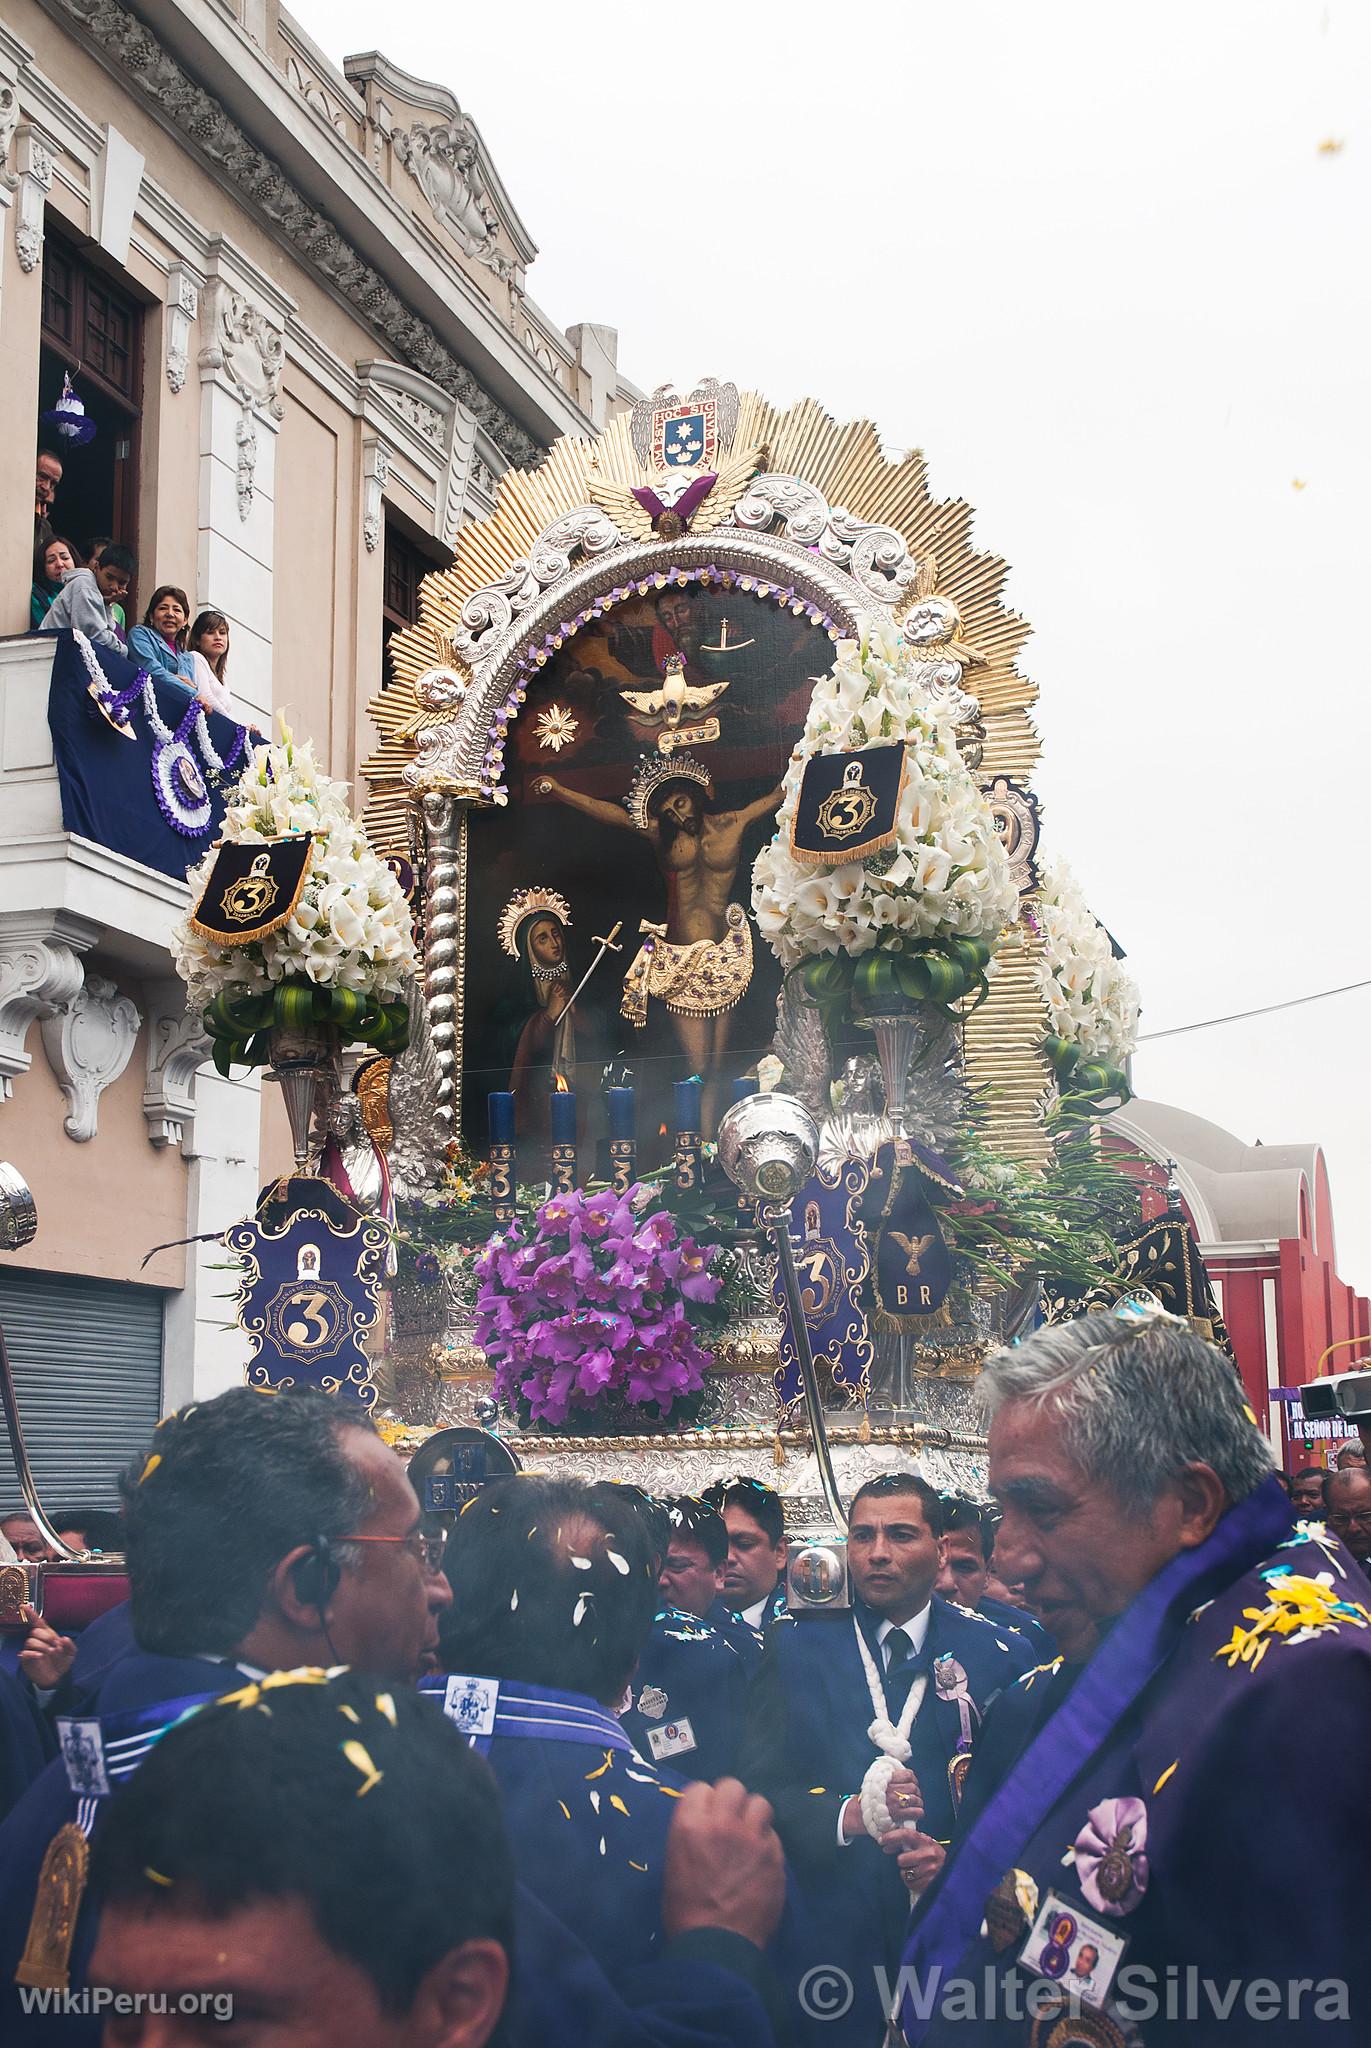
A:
[728, 683]
[700, 826]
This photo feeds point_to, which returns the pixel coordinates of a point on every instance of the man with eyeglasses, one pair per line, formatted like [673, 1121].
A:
[1347, 1499]
[262, 1534]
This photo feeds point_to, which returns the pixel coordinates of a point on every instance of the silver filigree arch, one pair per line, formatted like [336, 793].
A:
[458, 750]
[782, 508]
[876, 557]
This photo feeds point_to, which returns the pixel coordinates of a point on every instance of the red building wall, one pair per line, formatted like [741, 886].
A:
[1284, 1305]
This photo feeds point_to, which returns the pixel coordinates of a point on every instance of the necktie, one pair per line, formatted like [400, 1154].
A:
[899, 1656]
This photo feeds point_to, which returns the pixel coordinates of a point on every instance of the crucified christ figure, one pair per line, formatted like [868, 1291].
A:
[699, 963]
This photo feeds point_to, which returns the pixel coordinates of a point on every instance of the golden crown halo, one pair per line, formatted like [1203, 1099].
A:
[653, 772]
[525, 903]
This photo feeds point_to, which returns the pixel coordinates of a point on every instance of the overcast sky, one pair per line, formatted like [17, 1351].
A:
[1094, 261]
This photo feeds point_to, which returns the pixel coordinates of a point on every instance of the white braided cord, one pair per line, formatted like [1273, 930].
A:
[890, 1737]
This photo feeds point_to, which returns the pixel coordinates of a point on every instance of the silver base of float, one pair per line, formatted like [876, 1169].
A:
[921, 1410]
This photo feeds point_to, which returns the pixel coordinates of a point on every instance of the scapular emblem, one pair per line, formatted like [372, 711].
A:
[848, 809]
[252, 895]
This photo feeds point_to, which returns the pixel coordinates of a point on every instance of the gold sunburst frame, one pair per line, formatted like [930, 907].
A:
[805, 511]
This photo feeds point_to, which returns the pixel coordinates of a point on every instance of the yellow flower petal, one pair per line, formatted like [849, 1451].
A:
[1167, 1773]
[246, 1696]
[358, 1757]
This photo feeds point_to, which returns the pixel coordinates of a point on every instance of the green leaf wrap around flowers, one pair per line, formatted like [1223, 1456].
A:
[241, 1024]
[937, 971]
[1084, 1082]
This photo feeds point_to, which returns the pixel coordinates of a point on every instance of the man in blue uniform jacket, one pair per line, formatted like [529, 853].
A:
[25, 1742]
[684, 1705]
[754, 1570]
[924, 1666]
[1152, 1855]
[259, 1864]
[694, 1569]
[265, 1534]
[687, 1698]
[260, 1534]
[967, 1543]
[558, 1588]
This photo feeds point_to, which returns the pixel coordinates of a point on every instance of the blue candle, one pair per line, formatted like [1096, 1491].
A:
[688, 1134]
[500, 1107]
[622, 1113]
[623, 1139]
[688, 1105]
[563, 1117]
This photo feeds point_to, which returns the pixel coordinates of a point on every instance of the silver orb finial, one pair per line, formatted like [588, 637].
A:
[768, 1145]
[486, 1412]
[18, 1210]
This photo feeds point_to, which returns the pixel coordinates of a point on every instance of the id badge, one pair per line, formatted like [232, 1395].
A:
[1073, 1951]
[471, 1704]
[674, 1738]
[82, 1744]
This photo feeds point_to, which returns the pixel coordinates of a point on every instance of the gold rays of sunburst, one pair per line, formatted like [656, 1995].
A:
[847, 465]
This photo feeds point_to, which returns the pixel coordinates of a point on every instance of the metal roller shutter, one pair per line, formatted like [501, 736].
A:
[87, 1359]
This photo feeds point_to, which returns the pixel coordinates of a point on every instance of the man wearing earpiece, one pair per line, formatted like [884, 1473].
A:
[261, 1535]
[269, 1533]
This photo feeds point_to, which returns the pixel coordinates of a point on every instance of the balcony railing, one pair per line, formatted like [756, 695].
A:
[84, 834]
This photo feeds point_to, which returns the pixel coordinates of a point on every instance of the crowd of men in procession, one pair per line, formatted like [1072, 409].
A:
[569, 1770]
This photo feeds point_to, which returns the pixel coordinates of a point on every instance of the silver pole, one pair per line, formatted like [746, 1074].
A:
[19, 1452]
[777, 1218]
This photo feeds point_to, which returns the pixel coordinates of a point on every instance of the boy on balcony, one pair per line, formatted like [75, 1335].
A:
[85, 602]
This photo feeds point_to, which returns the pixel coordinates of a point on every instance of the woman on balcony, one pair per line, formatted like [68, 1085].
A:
[166, 650]
[207, 644]
[53, 561]
[159, 643]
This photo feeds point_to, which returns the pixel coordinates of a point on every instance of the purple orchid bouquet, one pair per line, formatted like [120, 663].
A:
[589, 1304]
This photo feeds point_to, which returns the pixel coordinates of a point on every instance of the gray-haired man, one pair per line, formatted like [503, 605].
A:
[1139, 1502]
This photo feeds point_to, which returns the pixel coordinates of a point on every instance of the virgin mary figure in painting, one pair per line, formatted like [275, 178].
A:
[699, 963]
[532, 927]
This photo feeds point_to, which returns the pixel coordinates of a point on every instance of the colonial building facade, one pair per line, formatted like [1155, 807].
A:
[295, 302]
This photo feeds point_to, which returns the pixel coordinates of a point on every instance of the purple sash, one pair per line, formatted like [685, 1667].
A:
[1131, 1654]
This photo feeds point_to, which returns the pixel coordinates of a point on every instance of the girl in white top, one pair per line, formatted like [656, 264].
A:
[207, 643]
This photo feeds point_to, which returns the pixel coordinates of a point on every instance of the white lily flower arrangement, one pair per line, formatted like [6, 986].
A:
[1092, 1004]
[351, 927]
[947, 877]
